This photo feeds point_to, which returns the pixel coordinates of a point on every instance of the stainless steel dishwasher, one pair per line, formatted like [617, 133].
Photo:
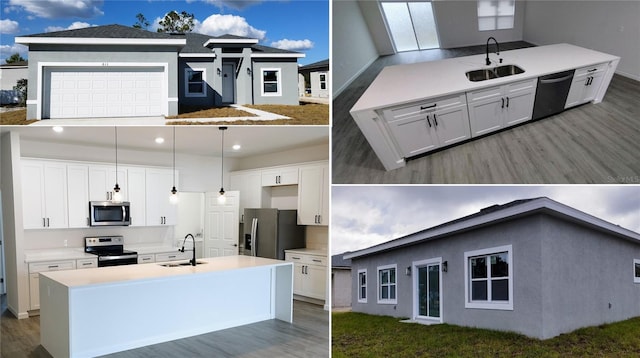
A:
[551, 94]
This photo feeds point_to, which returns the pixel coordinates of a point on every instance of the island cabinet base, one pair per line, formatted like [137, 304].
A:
[92, 320]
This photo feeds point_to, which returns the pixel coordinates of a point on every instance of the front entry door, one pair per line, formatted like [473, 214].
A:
[228, 83]
[428, 289]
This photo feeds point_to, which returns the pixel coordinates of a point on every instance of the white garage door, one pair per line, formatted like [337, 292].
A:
[103, 92]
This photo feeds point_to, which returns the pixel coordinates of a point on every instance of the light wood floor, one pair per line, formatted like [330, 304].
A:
[587, 144]
[308, 336]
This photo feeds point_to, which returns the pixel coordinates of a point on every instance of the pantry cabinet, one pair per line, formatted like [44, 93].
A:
[313, 195]
[44, 194]
[309, 274]
[249, 184]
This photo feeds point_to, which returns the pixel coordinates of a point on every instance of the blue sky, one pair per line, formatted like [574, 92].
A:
[297, 25]
[364, 216]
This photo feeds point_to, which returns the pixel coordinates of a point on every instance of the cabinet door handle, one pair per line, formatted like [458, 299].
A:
[295, 258]
[428, 122]
[590, 80]
[172, 256]
[44, 222]
[427, 107]
[507, 102]
[319, 219]
[502, 102]
[302, 270]
[53, 266]
[592, 70]
[316, 260]
[47, 222]
[86, 263]
[435, 120]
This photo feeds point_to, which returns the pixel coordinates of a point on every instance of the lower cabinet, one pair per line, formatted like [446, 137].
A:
[309, 274]
[172, 256]
[34, 277]
[145, 259]
[585, 85]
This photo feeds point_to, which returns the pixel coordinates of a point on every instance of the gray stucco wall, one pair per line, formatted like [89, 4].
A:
[340, 287]
[585, 271]
[85, 53]
[289, 81]
[564, 277]
[211, 79]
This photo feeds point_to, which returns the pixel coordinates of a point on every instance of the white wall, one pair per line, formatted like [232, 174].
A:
[609, 26]
[353, 49]
[377, 29]
[457, 23]
[293, 156]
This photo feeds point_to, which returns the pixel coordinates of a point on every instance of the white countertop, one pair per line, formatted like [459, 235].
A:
[305, 251]
[127, 273]
[71, 253]
[402, 84]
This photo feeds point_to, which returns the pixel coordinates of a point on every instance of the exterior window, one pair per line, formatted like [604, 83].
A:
[636, 271]
[387, 284]
[496, 14]
[195, 82]
[271, 82]
[323, 81]
[489, 278]
[362, 286]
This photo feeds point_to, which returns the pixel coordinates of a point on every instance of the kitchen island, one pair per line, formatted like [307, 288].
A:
[416, 108]
[85, 313]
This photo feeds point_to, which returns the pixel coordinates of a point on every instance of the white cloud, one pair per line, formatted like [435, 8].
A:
[217, 24]
[293, 45]
[53, 9]
[8, 50]
[8, 26]
[76, 25]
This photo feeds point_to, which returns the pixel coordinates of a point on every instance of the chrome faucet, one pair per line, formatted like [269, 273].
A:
[497, 49]
[193, 260]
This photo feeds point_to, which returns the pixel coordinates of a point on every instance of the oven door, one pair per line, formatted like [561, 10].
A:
[117, 260]
[106, 213]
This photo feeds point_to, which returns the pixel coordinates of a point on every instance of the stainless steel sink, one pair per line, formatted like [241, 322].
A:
[507, 70]
[480, 75]
[487, 74]
[178, 264]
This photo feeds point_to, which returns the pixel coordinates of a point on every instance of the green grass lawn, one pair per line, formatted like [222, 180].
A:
[360, 335]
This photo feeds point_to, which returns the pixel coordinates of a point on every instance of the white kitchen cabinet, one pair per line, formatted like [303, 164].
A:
[585, 85]
[102, 180]
[313, 195]
[424, 126]
[174, 256]
[249, 184]
[78, 195]
[309, 274]
[280, 176]
[147, 258]
[136, 186]
[498, 107]
[158, 184]
[44, 193]
[86, 263]
[34, 277]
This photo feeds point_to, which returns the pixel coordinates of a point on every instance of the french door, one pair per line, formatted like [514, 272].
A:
[427, 291]
[411, 24]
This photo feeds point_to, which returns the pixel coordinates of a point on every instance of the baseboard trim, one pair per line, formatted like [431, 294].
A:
[337, 92]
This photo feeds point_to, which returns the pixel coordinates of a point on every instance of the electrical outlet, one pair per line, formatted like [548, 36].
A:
[65, 243]
[621, 28]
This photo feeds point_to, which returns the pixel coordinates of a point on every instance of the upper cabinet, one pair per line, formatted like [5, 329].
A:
[249, 184]
[44, 192]
[158, 189]
[585, 84]
[136, 185]
[78, 195]
[313, 195]
[102, 179]
[280, 176]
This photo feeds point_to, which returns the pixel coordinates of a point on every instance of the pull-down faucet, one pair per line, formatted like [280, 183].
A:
[193, 260]
[497, 49]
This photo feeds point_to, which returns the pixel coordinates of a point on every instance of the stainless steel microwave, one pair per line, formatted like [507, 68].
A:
[109, 213]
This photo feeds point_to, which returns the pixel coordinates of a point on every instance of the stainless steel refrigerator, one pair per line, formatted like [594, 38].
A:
[268, 232]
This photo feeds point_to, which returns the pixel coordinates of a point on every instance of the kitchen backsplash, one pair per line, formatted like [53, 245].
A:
[317, 237]
[50, 239]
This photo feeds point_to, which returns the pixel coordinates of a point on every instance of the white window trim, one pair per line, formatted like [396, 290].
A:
[320, 81]
[467, 279]
[360, 299]
[495, 18]
[387, 301]
[635, 279]
[186, 82]
[279, 82]
[414, 269]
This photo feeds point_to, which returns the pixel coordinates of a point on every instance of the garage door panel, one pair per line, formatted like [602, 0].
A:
[103, 92]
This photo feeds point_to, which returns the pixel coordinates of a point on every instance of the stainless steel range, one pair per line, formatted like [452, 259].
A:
[110, 250]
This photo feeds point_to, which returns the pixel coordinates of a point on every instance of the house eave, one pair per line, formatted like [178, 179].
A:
[528, 208]
[98, 41]
[277, 55]
[207, 55]
[230, 41]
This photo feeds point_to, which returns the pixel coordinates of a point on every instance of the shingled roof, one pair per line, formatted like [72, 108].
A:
[320, 65]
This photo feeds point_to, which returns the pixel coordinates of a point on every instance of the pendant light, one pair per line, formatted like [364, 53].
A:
[116, 189]
[222, 198]
[173, 198]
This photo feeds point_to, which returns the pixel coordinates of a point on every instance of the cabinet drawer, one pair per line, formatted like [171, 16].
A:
[170, 256]
[408, 110]
[86, 263]
[306, 259]
[145, 259]
[484, 94]
[52, 266]
[590, 70]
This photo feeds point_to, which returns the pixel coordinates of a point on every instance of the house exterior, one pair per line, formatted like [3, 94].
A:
[340, 282]
[10, 73]
[534, 266]
[120, 71]
[318, 76]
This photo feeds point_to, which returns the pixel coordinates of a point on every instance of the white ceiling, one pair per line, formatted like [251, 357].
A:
[199, 140]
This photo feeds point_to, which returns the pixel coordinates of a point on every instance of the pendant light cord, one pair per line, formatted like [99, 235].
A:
[174, 156]
[222, 164]
[116, 131]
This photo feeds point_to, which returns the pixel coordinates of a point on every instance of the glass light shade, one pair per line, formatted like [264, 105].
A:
[117, 196]
[173, 198]
[222, 199]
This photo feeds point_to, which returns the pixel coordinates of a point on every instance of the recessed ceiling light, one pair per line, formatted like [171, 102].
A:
[58, 129]
[236, 147]
[159, 140]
